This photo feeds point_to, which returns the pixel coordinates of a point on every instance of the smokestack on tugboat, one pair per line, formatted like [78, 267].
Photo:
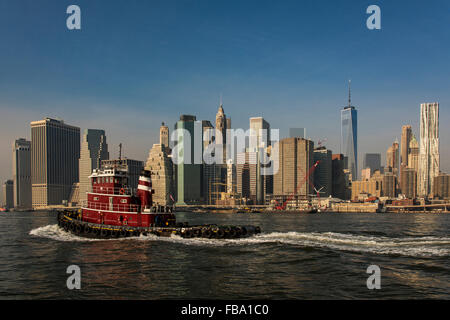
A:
[145, 190]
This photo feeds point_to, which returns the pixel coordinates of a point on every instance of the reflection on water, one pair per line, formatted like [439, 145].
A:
[296, 257]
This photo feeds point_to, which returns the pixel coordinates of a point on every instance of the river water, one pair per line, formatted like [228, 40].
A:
[297, 256]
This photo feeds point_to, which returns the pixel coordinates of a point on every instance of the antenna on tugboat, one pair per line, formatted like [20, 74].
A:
[120, 151]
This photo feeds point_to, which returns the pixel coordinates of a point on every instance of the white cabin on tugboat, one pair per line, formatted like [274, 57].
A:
[113, 203]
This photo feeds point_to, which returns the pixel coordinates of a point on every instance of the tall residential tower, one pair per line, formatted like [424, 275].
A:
[429, 148]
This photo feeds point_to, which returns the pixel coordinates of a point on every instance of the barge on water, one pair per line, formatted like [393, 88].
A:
[113, 210]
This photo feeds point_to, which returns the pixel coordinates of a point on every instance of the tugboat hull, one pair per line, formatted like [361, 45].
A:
[69, 222]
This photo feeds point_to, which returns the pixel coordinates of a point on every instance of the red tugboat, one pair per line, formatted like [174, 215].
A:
[113, 210]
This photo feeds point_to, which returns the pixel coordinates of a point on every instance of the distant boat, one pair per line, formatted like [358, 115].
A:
[247, 210]
[243, 210]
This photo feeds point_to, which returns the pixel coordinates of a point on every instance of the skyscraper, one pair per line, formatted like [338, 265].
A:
[221, 124]
[250, 183]
[260, 128]
[372, 161]
[442, 186]
[259, 141]
[219, 170]
[349, 136]
[243, 175]
[94, 149]
[231, 177]
[429, 148]
[408, 184]
[209, 174]
[323, 174]
[188, 173]
[22, 173]
[392, 159]
[404, 151]
[389, 185]
[296, 157]
[164, 135]
[413, 156]
[8, 194]
[160, 166]
[228, 123]
[406, 139]
[256, 181]
[55, 150]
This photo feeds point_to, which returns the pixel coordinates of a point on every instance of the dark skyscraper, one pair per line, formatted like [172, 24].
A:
[22, 173]
[55, 150]
[372, 161]
[188, 172]
[406, 139]
[340, 187]
[94, 149]
[349, 136]
[323, 175]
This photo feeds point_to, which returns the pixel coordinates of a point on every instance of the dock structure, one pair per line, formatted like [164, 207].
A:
[353, 207]
[367, 207]
[427, 208]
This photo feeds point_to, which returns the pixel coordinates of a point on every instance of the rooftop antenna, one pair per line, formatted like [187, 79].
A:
[120, 151]
[349, 93]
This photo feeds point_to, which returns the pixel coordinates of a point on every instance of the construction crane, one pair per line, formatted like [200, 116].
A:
[321, 142]
[306, 178]
[318, 192]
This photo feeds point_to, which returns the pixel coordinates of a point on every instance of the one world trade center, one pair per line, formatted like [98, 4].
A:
[349, 136]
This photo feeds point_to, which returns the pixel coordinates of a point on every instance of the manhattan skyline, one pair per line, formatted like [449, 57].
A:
[135, 65]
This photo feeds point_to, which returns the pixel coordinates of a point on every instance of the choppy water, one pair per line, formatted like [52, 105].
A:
[322, 256]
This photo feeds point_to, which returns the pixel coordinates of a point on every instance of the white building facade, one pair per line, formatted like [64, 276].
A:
[428, 148]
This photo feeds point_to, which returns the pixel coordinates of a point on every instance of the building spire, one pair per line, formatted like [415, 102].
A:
[349, 93]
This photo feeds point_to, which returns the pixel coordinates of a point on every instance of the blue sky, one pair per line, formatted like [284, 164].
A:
[135, 64]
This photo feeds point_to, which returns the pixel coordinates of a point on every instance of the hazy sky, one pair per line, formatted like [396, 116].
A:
[135, 64]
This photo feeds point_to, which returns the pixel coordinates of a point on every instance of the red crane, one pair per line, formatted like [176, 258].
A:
[310, 171]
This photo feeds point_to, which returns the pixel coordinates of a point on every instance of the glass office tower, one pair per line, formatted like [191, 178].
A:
[349, 138]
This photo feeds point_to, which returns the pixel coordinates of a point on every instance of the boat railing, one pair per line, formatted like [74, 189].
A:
[108, 190]
[134, 208]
